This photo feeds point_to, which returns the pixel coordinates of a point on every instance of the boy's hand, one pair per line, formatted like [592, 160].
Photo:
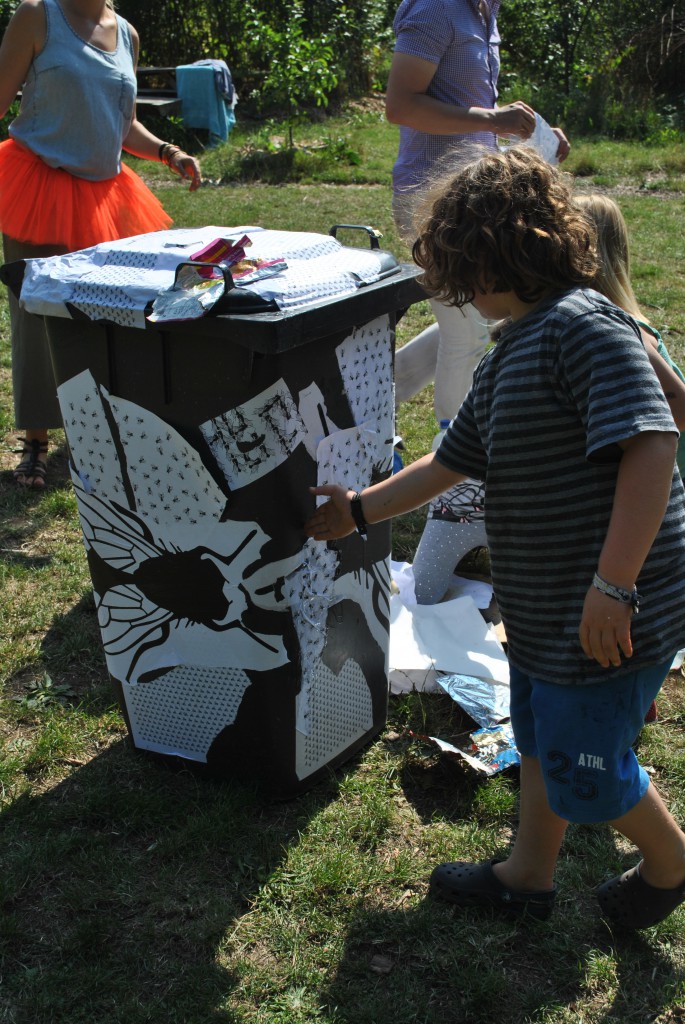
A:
[332, 520]
[605, 628]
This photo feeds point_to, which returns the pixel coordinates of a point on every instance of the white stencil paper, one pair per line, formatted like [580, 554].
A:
[254, 438]
[182, 712]
[312, 406]
[347, 458]
[341, 712]
[309, 592]
[365, 361]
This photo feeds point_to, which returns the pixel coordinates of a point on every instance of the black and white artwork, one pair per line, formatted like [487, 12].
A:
[208, 605]
[254, 438]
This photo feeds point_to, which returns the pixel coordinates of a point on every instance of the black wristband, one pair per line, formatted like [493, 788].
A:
[358, 514]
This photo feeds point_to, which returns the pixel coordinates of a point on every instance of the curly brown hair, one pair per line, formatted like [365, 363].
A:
[505, 222]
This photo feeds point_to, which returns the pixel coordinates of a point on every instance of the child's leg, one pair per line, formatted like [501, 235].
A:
[530, 865]
[584, 737]
[524, 882]
[651, 827]
[650, 891]
[443, 544]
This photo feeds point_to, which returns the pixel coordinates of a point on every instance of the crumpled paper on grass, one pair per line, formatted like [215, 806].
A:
[447, 646]
[491, 750]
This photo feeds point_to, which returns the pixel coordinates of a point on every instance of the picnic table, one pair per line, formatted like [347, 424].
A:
[157, 90]
[193, 92]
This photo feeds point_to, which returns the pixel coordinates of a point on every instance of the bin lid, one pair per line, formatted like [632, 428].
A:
[117, 282]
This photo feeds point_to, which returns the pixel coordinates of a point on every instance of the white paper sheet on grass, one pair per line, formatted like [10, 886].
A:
[403, 578]
[450, 637]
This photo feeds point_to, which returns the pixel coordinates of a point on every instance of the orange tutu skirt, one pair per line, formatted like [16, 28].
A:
[48, 206]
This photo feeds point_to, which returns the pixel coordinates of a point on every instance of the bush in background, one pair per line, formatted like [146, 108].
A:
[606, 67]
[602, 67]
[309, 53]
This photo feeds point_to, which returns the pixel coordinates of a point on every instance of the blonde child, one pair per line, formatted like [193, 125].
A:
[613, 280]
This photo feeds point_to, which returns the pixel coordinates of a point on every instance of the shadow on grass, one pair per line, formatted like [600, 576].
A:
[272, 168]
[434, 964]
[439, 786]
[120, 883]
[73, 656]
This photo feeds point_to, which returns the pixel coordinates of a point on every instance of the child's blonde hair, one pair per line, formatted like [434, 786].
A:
[506, 222]
[613, 275]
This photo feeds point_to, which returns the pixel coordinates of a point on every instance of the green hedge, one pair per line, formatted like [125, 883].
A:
[610, 66]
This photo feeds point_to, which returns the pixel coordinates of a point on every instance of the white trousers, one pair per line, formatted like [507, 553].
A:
[447, 353]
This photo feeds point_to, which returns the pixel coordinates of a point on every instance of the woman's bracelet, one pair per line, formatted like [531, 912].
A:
[167, 151]
[630, 597]
[358, 514]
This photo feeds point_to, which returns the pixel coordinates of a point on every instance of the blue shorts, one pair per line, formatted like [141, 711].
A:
[583, 736]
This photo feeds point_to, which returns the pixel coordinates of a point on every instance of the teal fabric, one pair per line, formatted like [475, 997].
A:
[663, 352]
[202, 105]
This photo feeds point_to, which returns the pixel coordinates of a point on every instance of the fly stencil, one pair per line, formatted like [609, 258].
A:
[365, 361]
[210, 624]
[179, 578]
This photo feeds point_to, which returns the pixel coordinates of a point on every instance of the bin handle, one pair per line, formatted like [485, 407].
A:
[373, 233]
[211, 267]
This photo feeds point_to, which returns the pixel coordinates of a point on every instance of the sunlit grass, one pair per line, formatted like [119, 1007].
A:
[138, 892]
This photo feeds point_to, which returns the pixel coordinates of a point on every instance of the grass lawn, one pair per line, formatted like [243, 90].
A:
[137, 892]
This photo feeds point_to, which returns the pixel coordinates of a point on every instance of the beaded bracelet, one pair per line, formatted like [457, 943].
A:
[630, 597]
[167, 151]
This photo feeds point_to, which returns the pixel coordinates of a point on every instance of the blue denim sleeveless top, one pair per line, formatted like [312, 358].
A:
[78, 101]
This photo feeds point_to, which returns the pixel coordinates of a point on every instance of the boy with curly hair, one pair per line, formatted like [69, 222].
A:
[585, 519]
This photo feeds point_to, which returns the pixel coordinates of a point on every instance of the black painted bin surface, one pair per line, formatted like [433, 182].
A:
[234, 642]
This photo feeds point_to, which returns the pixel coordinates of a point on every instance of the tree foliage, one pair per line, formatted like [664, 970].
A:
[592, 55]
[590, 63]
[308, 52]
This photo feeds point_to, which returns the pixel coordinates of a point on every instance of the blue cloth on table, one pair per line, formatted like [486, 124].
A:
[202, 105]
[222, 77]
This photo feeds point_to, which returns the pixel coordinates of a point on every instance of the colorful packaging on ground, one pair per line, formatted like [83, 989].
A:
[491, 750]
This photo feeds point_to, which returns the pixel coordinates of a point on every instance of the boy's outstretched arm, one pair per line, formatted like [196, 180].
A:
[643, 486]
[403, 492]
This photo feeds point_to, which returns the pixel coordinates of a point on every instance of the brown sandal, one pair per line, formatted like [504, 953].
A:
[34, 464]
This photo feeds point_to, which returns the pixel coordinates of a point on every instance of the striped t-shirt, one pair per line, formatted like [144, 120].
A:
[540, 425]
